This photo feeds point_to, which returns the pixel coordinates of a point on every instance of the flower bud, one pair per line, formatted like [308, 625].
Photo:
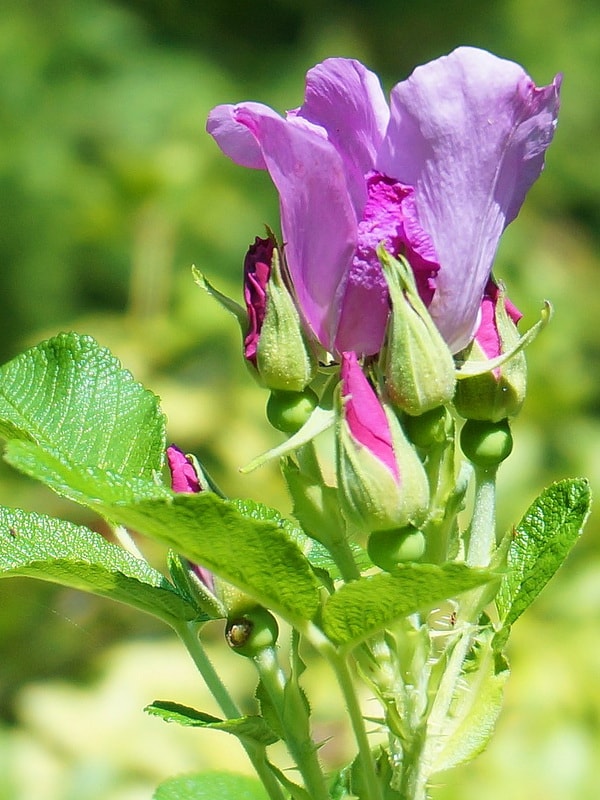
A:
[387, 549]
[381, 480]
[251, 631]
[416, 362]
[188, 478]
[486, 444]
[288, 411]
[275, 343]
[498, 393]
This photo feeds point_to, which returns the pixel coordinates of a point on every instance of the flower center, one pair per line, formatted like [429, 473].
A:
[390, 218]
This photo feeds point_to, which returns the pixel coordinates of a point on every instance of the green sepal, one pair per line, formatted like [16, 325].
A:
[416, 363]
[238, 311]
[499, 393]
[284, 358]
[192, 588]
[370, 496]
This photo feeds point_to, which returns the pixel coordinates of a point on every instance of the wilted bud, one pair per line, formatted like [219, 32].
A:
[498, 393]
[417, 365]
[275, 343]
[381, 480]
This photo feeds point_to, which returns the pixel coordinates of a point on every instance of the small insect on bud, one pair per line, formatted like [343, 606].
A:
[251, 631]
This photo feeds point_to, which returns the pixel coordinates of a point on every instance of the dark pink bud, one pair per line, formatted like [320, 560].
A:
[493, 395]
[184, 480]
[487, 334]
[364, 414]
[183, 474]
[257, 270]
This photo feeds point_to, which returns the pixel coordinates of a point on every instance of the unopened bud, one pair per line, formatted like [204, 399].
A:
[275, 343]
[381, 479]
[416, 362]
[500, 392]
[288, 411]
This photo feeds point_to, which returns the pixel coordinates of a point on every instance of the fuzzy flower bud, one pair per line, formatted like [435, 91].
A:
[275, 343]
[416, 362]
[500, 392]
[381, 480]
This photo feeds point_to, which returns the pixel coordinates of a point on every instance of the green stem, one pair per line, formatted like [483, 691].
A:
[482, 532]
[290, 707]
[365, 757]
[343, 556]
[188, 633]
[338, 661]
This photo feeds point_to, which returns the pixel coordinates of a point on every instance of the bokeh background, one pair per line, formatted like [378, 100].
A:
[109, 191]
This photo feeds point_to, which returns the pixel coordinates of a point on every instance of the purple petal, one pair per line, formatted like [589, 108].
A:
[469, 132]
[234, 138]
[183, 474]
[317, 217]
[346, 101]
[364, 414]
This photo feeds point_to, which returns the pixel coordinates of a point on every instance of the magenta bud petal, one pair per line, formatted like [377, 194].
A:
[257, 269]
[382, 483]
[183, 475]
[487, 334]
[364, 414]
[498, 393]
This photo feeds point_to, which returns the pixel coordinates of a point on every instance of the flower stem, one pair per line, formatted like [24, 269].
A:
[371, 783]
[482, 532]
[290, 706]
[188, 633]
[339, 664]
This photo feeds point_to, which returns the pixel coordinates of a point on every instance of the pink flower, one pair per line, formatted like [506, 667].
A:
[436, 177]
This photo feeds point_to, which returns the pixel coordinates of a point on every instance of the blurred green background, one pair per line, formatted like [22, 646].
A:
[109, 191]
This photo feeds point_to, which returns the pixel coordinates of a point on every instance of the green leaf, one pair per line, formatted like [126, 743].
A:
[363, 607]
[540, 544]
[316, 553]
[74, 400]
[42, 547]
[85, 484]
[250, 727]
[253, 554]
[211, 786]
[474, 711]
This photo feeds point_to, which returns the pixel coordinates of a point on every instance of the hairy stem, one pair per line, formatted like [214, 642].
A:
[482, 533]
[188, 633]
[289, 704]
